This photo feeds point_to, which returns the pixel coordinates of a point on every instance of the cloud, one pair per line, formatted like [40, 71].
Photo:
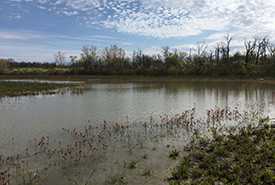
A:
[155, 50]
[126, 44]
[97, 38]
[70, 13]
[41, 7]
[167, 19]
[15, 16]
[12, 35]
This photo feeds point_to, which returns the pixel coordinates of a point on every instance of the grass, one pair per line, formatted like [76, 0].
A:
[237, 155]
[11, 89]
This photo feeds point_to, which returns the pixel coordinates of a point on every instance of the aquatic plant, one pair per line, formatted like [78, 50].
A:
[147, 172]
[239, 157]
[10, 89]
[118, 179]
[77, 159]
[174, 154]
[133, 164]
[145, 156]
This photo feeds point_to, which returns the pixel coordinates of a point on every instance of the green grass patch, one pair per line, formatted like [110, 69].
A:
[236, 155]
[11, 89]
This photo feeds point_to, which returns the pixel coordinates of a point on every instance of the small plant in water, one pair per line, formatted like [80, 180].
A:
[145, 156]
[118, 179]
[174, 154]
[147, 172]
[133, 164]
[124, 164]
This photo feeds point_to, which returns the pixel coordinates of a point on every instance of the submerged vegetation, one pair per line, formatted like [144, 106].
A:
[118, 179]
[235, 155]
[10, 89]
[79, 159]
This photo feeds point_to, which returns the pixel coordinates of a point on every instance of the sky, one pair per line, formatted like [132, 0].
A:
[35, 30]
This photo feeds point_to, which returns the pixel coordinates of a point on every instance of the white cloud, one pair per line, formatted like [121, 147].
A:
[155, 50]
[96, 38]
[41, 7]
[126, 44]
[18, 35]
[70, 13]
[14, 16]
[161, 18]
[177, 18]
[42, 1]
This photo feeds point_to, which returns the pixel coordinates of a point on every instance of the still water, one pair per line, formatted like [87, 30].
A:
[26, 118]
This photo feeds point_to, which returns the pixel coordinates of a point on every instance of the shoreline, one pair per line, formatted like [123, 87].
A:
[138, 78]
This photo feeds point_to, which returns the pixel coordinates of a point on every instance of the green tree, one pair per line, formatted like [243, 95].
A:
[3, 66]
[89, 58]
[114, 57]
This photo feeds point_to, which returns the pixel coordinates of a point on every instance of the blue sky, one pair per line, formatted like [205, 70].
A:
[34, 30]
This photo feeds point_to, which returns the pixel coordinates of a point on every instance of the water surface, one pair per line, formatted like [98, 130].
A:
[26, 118]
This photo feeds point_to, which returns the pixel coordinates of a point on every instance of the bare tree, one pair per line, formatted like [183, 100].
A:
[249, 47]
[210, 56]
[200, 56]
[59, 58]
[264, 48]
[166, 53]
[258, 44]
[271, 49]
[89, 51]
[217, 52]
[183, 56]
[228, 39]
[138, 57]
[261, 45]
[201, 49]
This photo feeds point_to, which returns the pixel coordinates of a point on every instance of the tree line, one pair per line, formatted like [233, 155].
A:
[257, 60]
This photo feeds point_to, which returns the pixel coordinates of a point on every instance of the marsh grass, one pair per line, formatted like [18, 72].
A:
[147, 172]
[133, 164]
[79, 159]
[236, 155]
[11, 89]
[174, 154]
[118, 179]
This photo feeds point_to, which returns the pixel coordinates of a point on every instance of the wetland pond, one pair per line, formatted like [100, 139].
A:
[118, 132]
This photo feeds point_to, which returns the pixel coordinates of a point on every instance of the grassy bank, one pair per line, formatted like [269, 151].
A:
[237, 155]
[11, 89]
